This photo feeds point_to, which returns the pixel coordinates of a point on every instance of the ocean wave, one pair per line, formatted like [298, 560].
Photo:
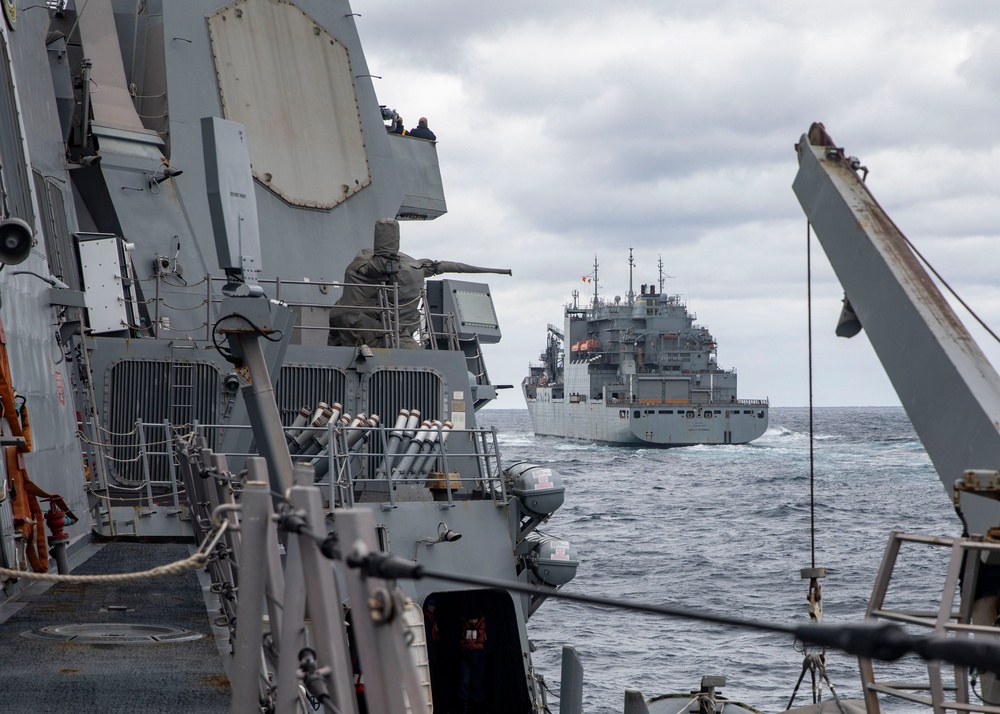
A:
[726, 530]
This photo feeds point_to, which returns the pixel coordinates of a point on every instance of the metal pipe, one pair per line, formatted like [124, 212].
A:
[412, 423]
[355, 431]
[87, 65]
[321, 464]
[338, 409]
[140, 430]
[357, 443]
[301, 419]
[426, 447]
[395, 436]
[437, 450]
[320, 418]
[174, 484]
[317, 443]
[406, 463]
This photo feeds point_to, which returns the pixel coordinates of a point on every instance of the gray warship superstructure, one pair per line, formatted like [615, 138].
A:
[152, 294]
[637, 371]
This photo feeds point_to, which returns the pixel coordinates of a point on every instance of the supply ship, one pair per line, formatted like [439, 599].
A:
[638, 371]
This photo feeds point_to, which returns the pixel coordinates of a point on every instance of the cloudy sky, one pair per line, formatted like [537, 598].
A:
[569, 129]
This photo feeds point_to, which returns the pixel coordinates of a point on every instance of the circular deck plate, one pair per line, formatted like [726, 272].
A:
[112, 634]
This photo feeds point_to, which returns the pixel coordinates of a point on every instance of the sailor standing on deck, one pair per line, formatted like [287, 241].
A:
[421, 131]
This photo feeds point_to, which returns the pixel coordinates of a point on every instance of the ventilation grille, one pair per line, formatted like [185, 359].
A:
[389, 390]
[155, 392]
[58, 247]
[300, 386]
[15, 188]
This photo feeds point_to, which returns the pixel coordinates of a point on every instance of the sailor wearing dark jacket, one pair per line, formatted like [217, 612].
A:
[421, 131]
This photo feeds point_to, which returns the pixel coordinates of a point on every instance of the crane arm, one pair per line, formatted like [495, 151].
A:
[949, 389]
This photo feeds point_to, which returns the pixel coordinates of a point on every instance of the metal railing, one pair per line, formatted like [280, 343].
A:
[385, 310]
[945, 621]
[352, 461]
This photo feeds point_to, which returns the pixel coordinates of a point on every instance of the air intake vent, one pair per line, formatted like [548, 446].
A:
[389, 390]
[13, 174]
[306, 386]
[54, 229]
[155, 392]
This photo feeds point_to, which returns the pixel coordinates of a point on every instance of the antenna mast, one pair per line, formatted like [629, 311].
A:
[596, 264]
[663, 276]
[631, 268]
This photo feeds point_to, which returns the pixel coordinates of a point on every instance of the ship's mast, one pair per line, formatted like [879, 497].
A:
[596, 265]
[663, 276]
[631, 268]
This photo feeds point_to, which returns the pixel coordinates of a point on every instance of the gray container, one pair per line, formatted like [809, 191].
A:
[540, 489]
[554, 561]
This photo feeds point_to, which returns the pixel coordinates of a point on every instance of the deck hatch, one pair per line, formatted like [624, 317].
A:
[112, 633]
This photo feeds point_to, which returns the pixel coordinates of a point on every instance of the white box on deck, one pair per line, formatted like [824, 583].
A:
[103, 263]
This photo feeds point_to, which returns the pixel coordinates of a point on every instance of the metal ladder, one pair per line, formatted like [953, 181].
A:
[181, 392]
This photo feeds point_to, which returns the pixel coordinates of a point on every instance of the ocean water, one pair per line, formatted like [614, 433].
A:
[726, 530]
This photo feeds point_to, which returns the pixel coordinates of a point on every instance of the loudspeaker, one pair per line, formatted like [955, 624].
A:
[15, 241]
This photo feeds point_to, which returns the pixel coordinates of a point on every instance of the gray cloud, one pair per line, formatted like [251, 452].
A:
[569, 129]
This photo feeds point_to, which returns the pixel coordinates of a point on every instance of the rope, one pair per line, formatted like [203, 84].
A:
[134, 460]
[163, 277]
[949, 288]
[114, 433]
[196, 561]
[139, 499]
[193, 562]
[812, 440]
[163, 442]
[196, 328]
[163, 302]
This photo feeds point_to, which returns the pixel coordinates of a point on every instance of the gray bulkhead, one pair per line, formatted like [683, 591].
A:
[116, 192]
[140, 177]
[36, 184]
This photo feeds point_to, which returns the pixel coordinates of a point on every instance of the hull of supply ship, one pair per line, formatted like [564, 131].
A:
[637, 371]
